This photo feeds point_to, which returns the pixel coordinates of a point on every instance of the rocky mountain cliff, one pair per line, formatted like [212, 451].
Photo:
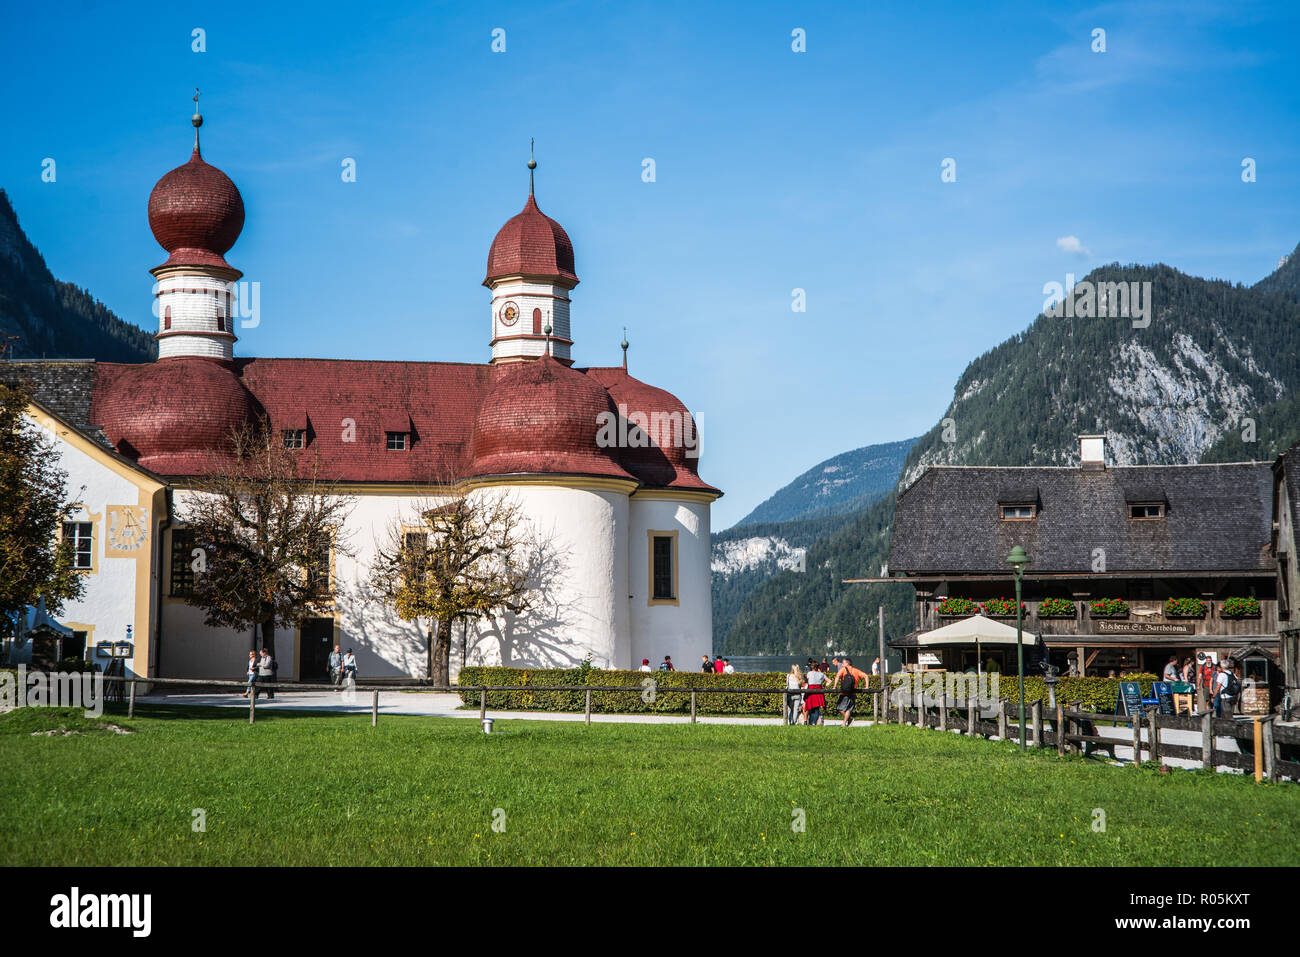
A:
[1174, 386]
[43, 317]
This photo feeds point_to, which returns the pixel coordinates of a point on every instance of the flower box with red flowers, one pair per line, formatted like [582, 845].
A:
[1247, 607]
[1056, 608]
[1109, 608]
[1001, 608]
[1184, 608]
[957, 608]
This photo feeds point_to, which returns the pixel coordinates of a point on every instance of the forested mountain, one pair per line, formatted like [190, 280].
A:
[776, 535]
[43, 317]
[849, 482]
[1173, 391]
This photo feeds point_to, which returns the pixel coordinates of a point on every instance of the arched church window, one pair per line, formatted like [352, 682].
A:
[167, 317]
[537, 322]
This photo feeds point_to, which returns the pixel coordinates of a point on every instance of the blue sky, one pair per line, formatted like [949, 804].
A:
[775, 170]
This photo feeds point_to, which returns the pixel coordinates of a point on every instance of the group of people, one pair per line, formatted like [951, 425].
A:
[805, 691]
[717, 666]
[343, 668]
[665, 665]
[1221, 683]
[261, 670]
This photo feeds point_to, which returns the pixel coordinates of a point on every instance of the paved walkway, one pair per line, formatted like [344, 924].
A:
[428, 704]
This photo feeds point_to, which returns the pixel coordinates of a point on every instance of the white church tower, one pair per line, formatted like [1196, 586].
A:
[196, 214]
[530, 273]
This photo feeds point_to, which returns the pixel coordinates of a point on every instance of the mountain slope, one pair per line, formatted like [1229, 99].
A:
[41, 316]
[1171, 392]
[849, 482]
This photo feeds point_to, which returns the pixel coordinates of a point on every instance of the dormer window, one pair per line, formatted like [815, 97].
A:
[398, 430]
[1016, 512]
[1147, 510]
[295, 438]
[395, 441]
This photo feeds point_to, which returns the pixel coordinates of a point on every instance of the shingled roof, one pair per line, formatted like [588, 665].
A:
[1217, 518]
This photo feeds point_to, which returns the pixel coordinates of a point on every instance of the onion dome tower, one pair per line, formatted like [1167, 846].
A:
[196, 214]
[530, 273]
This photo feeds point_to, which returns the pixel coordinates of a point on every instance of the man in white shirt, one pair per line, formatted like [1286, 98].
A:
[1221, 696]
[726, 668]
[645, 664]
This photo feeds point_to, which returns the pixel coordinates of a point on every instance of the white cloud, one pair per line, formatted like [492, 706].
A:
[1071, 244]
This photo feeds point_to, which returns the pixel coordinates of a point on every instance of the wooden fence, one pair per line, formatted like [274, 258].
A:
[1070, 730]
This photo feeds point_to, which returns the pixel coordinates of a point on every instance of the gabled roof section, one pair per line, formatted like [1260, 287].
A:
[111, 459]
[1218, 519]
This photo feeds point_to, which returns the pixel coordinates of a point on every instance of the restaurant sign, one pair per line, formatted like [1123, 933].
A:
[1144, 628]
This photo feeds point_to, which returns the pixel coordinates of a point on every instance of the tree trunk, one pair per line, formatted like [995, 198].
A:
[440, 662]
[268, 636]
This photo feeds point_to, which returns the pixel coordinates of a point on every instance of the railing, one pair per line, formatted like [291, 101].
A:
[1072, 731]
[481, 690]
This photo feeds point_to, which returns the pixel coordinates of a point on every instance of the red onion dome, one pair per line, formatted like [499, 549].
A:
[531, 244]
[663, 444]
[196, 214]
[172, 415]
[542, 418]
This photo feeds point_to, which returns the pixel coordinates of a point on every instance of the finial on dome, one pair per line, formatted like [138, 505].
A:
[532, 165]
[624, 345]
[196, 119]
[547, 329]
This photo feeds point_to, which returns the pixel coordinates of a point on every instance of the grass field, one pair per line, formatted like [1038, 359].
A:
[329, 789]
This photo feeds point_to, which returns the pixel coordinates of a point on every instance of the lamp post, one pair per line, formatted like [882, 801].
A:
[1018, 560]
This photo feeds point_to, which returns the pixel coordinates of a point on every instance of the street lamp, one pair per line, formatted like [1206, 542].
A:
[1018, 560]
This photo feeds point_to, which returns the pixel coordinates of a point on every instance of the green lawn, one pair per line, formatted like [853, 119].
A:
[329, 789]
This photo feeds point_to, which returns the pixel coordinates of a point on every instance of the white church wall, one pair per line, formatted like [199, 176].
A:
[581, 608]
[683, 630]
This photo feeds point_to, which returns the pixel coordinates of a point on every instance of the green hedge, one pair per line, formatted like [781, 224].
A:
[629, 702]
[1097, 694]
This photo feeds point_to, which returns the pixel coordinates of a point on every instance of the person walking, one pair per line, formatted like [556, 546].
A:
[706, 665]
[336, 667]
[645, 664]
[1189, 671]
[1222, 694]
[1206, 683]
[718, 664]
[875, 666]
[793, 700]
[667, 664]
[251, 676]
[815, 703]
[727, 669]
[350, 668]
[847, 681]
[266, 673]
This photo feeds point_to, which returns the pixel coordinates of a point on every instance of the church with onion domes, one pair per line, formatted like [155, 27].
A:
[603, 465]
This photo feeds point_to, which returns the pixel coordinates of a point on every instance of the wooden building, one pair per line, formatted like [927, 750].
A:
[1127, 565]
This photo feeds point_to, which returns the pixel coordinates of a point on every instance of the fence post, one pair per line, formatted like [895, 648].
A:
[1207, 740]
[1259, 749]
[1135, 721]
[1153, 733]
[588, 714]
[692, 706]
[374, 710]
[875, 709]
[1037, 712]
[130, 708]
[1002, 719]
[898, 700]
[943, 711]
[972, 703]
[252, 703]
[1060, 728]
[1270, 758]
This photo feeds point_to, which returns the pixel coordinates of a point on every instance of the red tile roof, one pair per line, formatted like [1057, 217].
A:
[537, 417]
[531, 244]
[196, 214]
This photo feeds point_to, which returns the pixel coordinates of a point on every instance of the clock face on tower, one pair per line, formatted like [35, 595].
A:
[509, 314]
